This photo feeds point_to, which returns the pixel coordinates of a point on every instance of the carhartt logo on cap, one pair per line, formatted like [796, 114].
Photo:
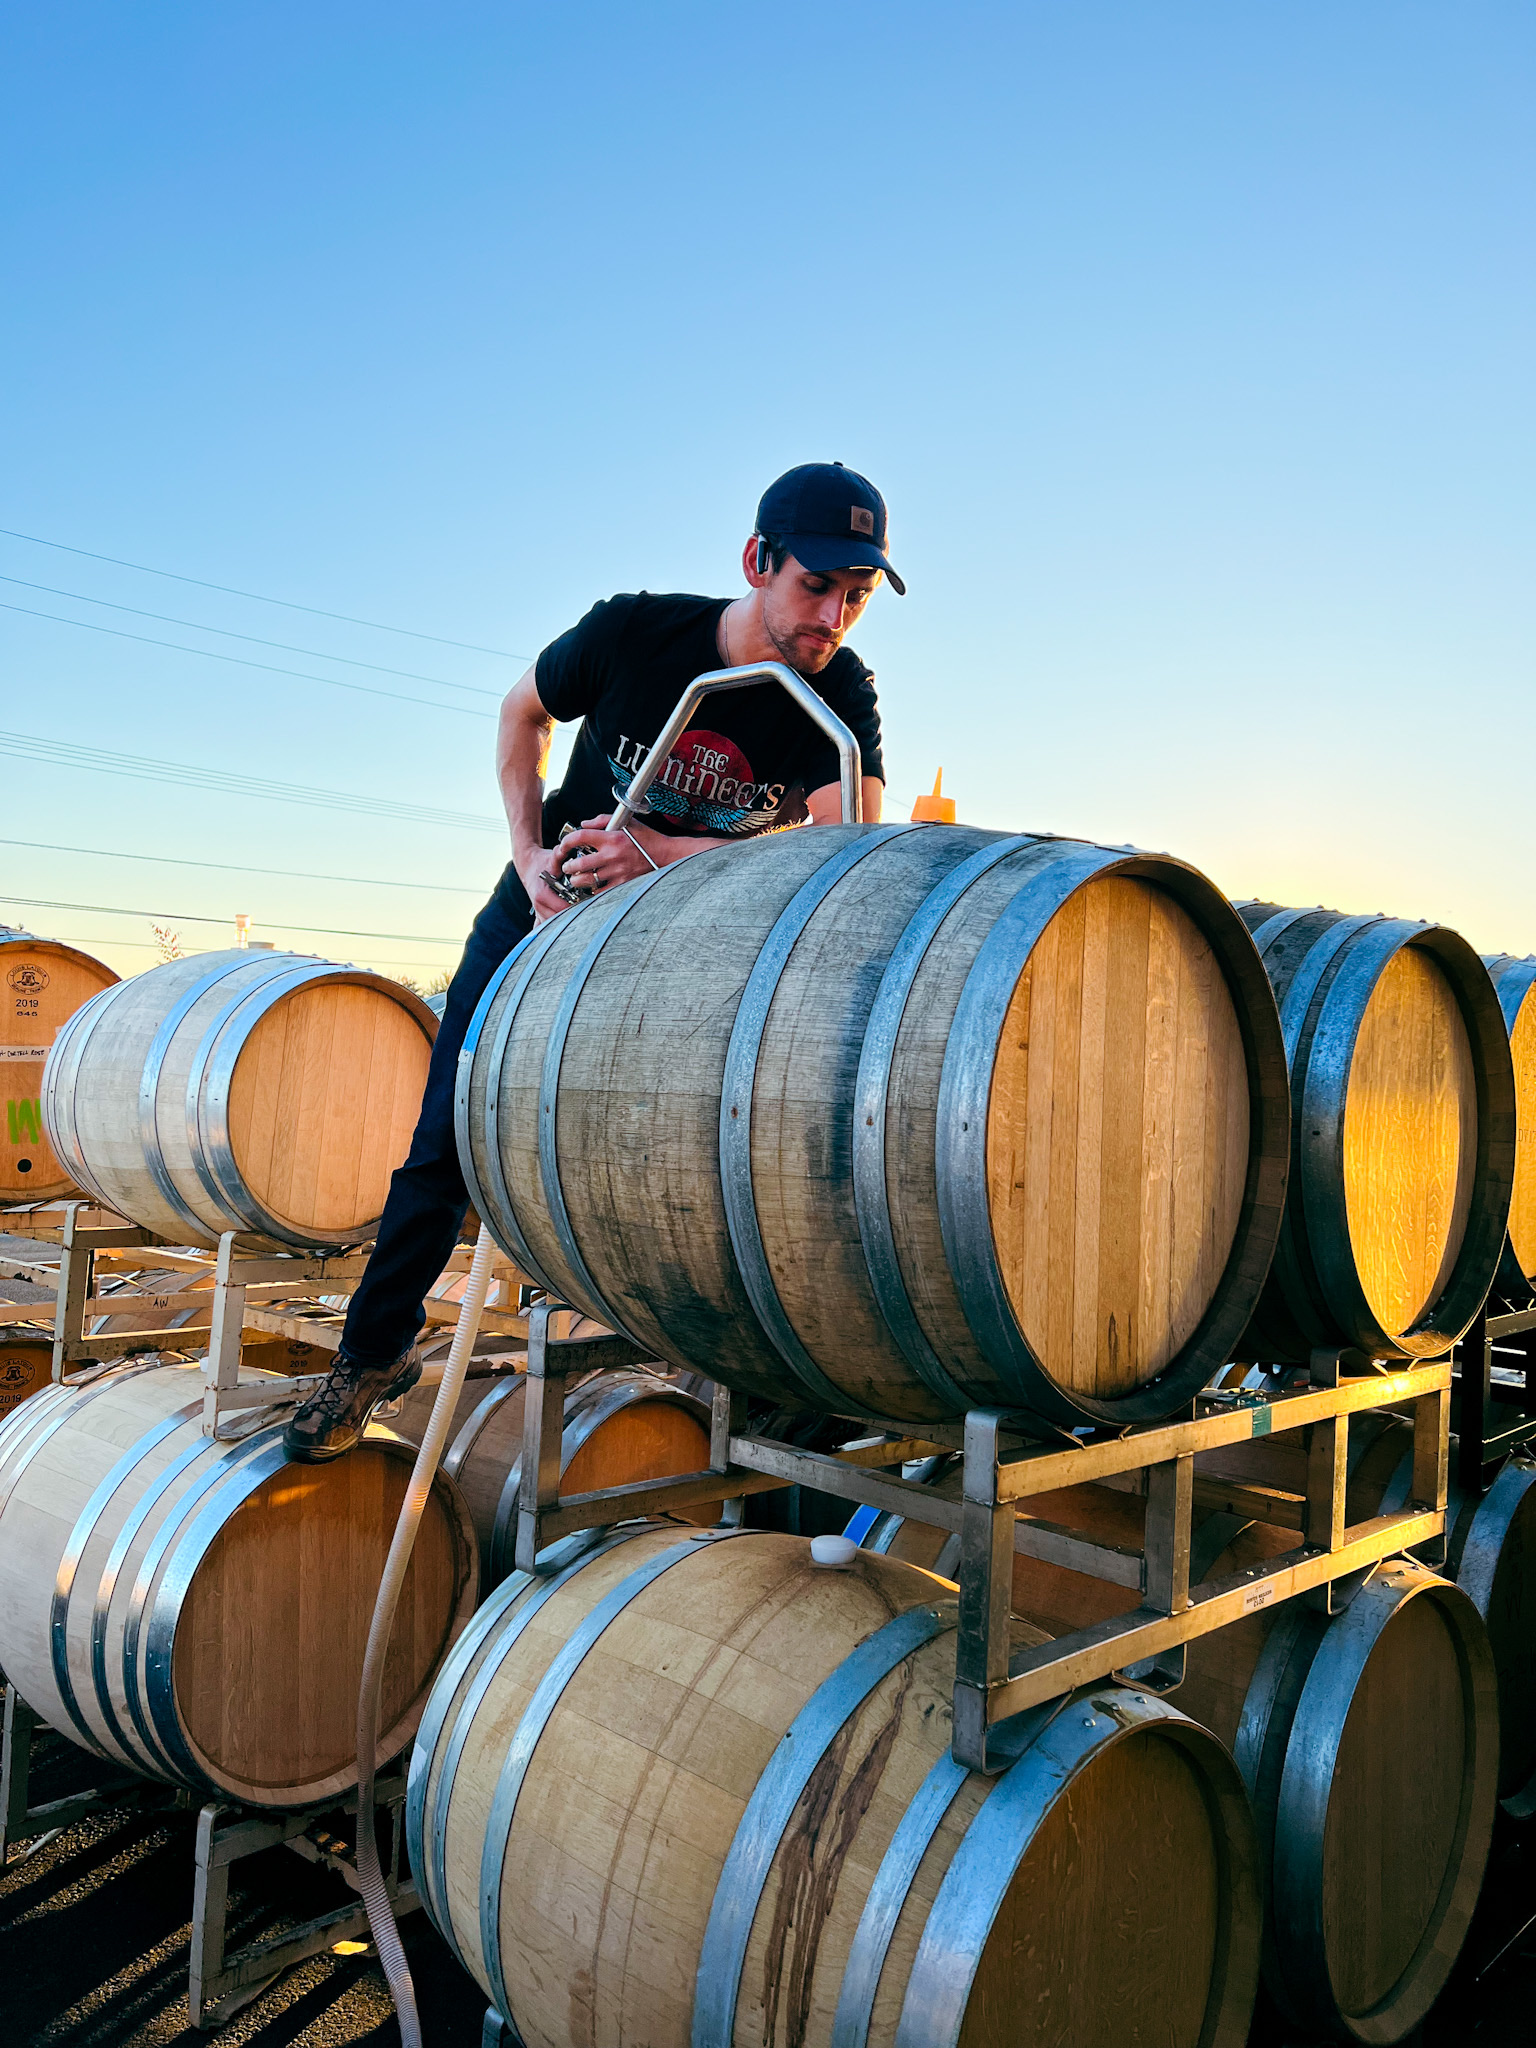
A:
[861, 520]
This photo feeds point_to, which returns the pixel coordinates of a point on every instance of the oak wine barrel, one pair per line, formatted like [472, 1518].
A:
[269, 1094]
[26, 1363]
[42, 983]
[1403, 1115]
[689, 1790]
[619, 1427]
[1369, 1744]
[893, 1120]
[1514, 981]
[196, 1609]
[1490, 1554]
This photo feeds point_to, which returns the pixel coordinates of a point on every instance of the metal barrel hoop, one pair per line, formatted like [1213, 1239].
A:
[549, 1107]
[993, 1847]
[111, 1571]
[1304, 1984]
[1294, 1272]
[149, 1088]
[1334, 1025]
[736, 1099]
[771, 1808]
[474, 1423]
[965, 1086]
[504, 1607]
[500, 1213]
[74, 1550]
[1512, 981]
[207, 1102]
[547, 1695]
[871, 1191]
[463, 1076]
[139, 1597]
[59, 1103]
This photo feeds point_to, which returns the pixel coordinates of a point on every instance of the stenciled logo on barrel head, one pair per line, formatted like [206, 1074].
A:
[13, 1374]
[28, 979]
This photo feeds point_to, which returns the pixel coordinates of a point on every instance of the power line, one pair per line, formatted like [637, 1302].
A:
[64, 753]
[255, 596]
[242, 661]
[227, 868]
[410, 675]
[322, 931]
[196, 952]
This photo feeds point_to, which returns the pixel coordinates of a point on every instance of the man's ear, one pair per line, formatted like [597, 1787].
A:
[756, 565]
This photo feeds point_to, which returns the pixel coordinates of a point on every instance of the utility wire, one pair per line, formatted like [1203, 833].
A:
[228, 868]
[64, 753]
[226, 590]
[324, 931]
[410, 675]
[242, 661]
[196, 952]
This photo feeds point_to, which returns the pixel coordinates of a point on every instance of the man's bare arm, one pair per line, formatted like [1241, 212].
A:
[826, 804]
[522, 756]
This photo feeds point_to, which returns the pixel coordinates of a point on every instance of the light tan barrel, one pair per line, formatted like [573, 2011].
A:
[197, 1609]
[619, 1427]
[688, 1789]
[264, 1093]
[1369, 1744]
[1515, 982]
[26, 1364]
[1403, 1110]
[42, 983]
[893, 1120]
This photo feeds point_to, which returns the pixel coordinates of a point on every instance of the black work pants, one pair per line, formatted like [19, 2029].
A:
[427, 1195]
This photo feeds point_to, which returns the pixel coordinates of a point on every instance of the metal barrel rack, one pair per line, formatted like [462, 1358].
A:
[1003, 1468]
[1494, 1401]
[220, 1981]
[271, 1293]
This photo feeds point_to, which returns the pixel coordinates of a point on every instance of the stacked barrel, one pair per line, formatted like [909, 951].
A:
[886, 1123]
[42, 984]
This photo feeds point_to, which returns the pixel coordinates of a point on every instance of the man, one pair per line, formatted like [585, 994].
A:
[812, 564]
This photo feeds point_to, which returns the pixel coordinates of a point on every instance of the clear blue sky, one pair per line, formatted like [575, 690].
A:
[1192, 346]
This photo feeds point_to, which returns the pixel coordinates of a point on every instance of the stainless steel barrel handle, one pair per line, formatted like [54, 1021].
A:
[850, 764]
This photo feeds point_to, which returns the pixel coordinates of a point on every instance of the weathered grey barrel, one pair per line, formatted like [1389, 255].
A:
[1515, 982]
[619, 1427]
[1370, 1745]
[1403, 1112]
[689, 1790]
[196, 1609]
[264, 1093]
[893, 1120]
[42, 983]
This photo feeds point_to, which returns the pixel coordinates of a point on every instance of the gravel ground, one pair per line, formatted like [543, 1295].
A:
[95, 1927]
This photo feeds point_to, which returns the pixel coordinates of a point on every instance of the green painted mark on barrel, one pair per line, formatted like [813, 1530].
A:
[24, 1120]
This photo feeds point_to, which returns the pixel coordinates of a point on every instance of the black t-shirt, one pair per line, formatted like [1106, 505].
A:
[750, 758]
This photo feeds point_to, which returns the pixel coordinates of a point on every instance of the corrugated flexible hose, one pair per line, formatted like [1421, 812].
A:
[370, 1878]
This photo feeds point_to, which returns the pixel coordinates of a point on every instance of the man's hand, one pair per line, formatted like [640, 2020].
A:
[592, 857]
[531, 862]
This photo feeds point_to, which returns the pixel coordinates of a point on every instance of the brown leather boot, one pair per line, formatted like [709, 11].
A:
[334, 1417]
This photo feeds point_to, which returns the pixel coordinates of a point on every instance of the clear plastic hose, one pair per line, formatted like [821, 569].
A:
[370, 1878]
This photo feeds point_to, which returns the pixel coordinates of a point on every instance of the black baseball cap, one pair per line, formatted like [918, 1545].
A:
[829, 517]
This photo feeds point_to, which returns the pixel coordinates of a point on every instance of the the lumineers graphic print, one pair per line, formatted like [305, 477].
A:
[707, 785]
